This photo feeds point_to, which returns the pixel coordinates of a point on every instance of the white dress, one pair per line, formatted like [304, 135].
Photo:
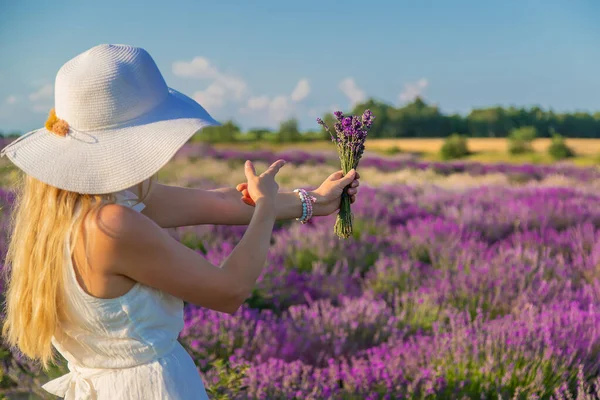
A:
[126, 347]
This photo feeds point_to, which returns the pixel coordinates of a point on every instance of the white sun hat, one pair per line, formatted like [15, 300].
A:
[116, 124]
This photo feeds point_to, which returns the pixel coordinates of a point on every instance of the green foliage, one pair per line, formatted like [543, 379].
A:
[520, 140]
[559, 150]
[289, 132]
[454, 147]
[259, 134]
[226, 133]
[228, 381]
[259, 301]
[11, 134]
[393, 150]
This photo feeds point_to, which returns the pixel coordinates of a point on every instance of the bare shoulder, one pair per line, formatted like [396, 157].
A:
[138, 248]
[123, 224]
[117, 233]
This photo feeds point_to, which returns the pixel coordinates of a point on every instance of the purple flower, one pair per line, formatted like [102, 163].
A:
[347, 122]
[322, 123]
[339, 115]
[367, 118]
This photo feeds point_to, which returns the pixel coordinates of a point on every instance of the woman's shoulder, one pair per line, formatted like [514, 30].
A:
[123, 226]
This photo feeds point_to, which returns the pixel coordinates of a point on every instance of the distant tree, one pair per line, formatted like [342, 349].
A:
[258, 133]
[489, 122]
[227, 132]
[455, 146]
[12, 134]
[288, 131]
[521, 140]
[559, 149]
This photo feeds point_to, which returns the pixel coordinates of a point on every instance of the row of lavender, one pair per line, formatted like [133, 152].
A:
[389, 164]
[495, 291]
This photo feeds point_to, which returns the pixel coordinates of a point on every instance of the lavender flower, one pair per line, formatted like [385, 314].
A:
[350, 135]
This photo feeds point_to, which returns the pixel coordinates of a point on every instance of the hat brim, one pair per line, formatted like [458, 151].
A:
[110, 160]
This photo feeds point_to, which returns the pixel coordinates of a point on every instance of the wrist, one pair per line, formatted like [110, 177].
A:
[265, 203]
[318, 209]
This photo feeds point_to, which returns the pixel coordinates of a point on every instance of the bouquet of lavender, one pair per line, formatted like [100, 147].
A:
[350, 135]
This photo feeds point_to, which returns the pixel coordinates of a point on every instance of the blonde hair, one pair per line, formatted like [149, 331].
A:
[41, 218]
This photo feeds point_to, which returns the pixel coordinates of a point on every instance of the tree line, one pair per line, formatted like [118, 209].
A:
[419, 119]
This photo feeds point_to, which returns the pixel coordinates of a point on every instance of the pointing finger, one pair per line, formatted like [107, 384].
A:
[249, 169]
[274, 168]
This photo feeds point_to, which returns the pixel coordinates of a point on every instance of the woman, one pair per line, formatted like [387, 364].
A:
[112, 302]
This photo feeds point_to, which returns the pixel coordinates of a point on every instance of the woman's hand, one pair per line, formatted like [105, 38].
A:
[263, 186]
[330, 192]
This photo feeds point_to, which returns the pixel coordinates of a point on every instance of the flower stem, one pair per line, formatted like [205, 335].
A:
[343, 222]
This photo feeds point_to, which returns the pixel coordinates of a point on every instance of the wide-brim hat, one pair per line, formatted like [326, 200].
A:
[115, 124]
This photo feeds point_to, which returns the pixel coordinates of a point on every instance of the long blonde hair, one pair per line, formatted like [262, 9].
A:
[41, 218]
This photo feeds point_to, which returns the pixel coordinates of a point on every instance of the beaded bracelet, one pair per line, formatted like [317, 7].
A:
[307, 205]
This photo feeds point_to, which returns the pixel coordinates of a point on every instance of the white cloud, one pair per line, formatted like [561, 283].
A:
[42, 99]
[273, 110]
[212, 97]
[199, 67]
[222, 89]
[412, 90]
[301, 91]
[11, 99]
[349, 87]
[258, 103]
[44, 93]
[278, 108]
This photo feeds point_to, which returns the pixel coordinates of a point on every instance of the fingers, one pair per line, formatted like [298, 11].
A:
[248, 201]
[335, 176]
[352, 199]
[348, 179]
[339, 175]
[274, 168]
[249, 170]
[241, 186]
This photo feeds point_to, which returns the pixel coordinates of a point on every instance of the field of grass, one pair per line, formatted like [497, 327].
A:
[461, 281]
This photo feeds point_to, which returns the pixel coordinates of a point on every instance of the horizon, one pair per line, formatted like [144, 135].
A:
[270, 62]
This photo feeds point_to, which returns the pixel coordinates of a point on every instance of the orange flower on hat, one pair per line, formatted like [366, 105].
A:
[56, 125]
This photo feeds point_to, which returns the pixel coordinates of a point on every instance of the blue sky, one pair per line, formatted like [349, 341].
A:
[260, 62]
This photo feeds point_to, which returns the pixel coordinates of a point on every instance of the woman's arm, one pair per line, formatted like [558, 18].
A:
[136, 247]
[173, 206]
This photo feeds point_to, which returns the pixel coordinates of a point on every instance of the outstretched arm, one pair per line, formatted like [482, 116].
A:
[173, 206]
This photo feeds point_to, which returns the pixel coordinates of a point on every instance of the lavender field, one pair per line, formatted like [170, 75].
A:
[462, 281]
